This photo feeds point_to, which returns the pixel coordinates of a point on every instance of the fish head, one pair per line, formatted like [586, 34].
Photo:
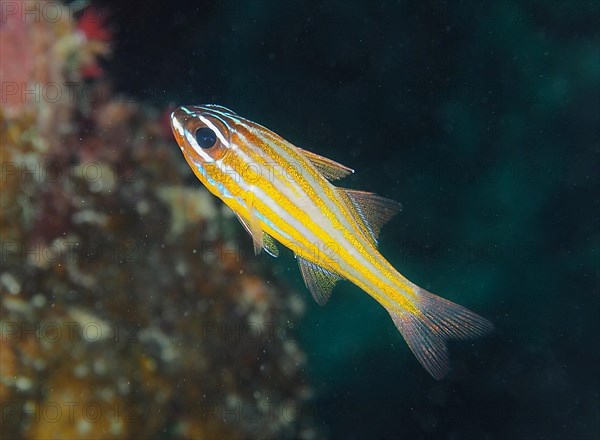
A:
[206, 135]
[203, 132]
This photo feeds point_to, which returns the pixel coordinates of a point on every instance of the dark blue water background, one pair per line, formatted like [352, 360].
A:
[482, 119]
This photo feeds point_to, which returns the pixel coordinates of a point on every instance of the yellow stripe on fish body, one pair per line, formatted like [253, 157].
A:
[283, 193]
[319, 191]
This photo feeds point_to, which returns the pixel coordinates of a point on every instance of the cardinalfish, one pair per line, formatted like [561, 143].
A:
[283, 194]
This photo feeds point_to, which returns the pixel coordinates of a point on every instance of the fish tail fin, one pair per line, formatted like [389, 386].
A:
[436, 321]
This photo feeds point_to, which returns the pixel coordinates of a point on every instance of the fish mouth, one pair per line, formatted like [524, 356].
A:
[179, 119]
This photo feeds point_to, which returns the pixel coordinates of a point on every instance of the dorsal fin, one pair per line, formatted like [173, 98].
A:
[373, 211]
[318, 280]
[330, 169]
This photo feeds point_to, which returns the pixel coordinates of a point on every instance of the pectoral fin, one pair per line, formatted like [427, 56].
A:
[318, 280]
[268, 243]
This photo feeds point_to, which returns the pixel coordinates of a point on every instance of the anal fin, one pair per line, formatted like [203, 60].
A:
[319, 281]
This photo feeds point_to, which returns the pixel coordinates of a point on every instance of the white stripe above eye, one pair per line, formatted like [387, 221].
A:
[191, 138]
[210, 125]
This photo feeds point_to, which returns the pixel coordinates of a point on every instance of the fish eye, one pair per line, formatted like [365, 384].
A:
[206, 137]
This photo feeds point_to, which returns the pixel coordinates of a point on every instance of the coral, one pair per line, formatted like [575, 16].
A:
[92, 25]
[125, 312]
